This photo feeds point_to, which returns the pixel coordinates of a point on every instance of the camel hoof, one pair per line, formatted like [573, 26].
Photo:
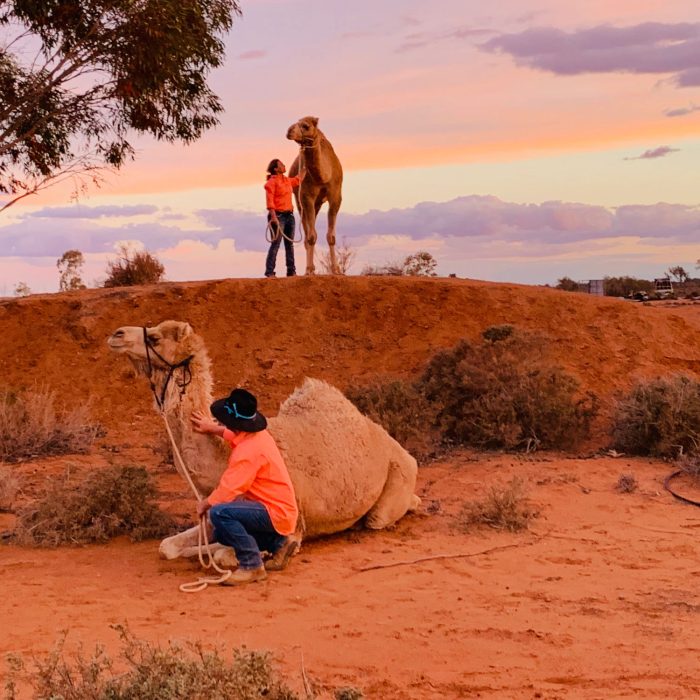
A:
[168, 550]
[226, 558]
[415, 504]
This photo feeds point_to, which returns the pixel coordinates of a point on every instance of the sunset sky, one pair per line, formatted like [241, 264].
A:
[515, 141]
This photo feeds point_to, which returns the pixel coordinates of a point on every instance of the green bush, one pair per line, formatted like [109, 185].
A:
[116, 501]
[32, 426]
[152, 672]
[659, 417]
[504, 393]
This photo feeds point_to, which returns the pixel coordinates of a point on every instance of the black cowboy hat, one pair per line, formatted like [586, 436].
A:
[239, 411]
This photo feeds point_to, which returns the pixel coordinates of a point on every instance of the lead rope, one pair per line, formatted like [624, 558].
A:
[202, 540]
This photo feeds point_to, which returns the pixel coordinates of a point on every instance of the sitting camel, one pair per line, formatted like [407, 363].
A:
[323, 182]
[344, 467]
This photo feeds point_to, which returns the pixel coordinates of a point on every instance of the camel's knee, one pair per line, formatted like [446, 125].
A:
[397, 497]
[415, 504]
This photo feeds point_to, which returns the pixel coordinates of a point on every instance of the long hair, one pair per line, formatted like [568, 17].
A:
[272, 167]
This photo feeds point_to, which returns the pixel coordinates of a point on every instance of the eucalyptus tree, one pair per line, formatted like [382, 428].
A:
[80, 78]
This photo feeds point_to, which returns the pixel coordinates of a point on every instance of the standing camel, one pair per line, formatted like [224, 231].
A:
[323, 183]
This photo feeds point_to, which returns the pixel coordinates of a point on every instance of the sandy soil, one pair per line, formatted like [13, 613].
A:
[599, 599]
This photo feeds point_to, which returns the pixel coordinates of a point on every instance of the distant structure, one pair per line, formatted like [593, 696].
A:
[663, 286]
[595, 287]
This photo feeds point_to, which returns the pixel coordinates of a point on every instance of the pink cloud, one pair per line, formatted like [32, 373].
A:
[252, 55]
[651, 47]
[652, 153]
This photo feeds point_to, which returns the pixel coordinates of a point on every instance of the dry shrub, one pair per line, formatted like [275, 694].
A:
[153, 672]
[344, 258]
[348, 693]
[31, 426]
[499, 393]
[133, 267]
[659, 417]
[502, 509]
[690, 465]
[627, 483]
[504, 393]
[9, 486]
[115, 501]
[400, 409]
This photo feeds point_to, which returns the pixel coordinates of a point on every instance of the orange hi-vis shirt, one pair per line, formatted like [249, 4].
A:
[278, 191]
[257, 471]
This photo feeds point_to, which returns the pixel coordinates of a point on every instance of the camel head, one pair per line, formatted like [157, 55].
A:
[304, 131]
[172, 341]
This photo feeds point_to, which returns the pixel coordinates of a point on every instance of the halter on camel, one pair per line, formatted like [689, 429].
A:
[202, 540]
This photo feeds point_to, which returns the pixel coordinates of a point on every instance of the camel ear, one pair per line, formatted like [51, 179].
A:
[314, 120]
[183, 330]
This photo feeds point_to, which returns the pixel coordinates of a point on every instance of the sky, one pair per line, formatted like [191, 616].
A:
[515, 141]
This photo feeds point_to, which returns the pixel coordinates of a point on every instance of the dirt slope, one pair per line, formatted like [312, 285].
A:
[269, 334]
[598, 600]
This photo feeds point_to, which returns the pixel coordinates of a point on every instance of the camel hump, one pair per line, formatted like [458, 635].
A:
[316, 395]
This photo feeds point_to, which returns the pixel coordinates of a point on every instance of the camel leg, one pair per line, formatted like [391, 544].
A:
[308, 219]
[397, 497]
[333, 208]
[186, 541]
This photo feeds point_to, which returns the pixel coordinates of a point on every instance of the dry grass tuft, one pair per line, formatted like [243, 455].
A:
[153, 672]
[660, 418]
[31, 426]
[9, 486]
[116, 501]
[627, 483]
[502, 509]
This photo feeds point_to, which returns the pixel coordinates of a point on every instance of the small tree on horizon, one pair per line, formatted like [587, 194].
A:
[22, 289]
[567, 284]
[69, 265]
[420, 264]
[678, 273]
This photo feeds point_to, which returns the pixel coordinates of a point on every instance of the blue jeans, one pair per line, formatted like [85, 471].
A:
[286, 219]
[245, 526]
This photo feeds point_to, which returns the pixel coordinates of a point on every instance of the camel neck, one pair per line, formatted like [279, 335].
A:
[312, 158]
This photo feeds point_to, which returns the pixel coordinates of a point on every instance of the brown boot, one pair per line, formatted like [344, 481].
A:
[279, 560]
[241, 576]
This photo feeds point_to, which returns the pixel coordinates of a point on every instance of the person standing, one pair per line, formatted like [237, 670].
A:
[254, 506]
[280, 215]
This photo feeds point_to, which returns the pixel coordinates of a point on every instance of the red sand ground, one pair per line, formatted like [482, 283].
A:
[598, 600]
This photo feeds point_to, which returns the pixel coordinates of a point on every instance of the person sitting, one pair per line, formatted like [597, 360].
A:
[254, 507]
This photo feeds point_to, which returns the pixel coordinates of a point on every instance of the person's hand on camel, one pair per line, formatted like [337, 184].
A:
[203, 506]
[203, 424]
